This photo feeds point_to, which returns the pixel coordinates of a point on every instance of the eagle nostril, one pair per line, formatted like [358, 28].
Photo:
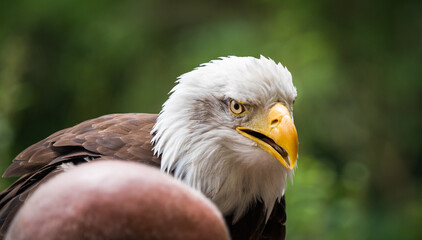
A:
[274, 122]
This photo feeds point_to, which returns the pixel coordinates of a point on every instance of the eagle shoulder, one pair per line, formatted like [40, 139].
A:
[252, 226]
[117, 136]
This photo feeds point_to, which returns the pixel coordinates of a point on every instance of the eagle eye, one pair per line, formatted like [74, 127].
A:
[236, 108]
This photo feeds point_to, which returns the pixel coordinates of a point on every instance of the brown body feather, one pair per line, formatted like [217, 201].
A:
[116, 136]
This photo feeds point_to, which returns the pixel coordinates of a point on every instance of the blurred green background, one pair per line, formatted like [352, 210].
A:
[356, 64]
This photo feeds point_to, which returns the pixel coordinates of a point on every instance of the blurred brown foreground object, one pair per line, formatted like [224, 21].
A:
[117, 200]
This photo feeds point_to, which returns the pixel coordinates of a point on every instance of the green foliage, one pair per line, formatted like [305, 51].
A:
[356, 66]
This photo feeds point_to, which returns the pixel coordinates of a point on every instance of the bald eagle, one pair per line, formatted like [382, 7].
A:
[226, 130]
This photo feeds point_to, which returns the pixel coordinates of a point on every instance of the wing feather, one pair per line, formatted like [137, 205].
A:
[116, 136]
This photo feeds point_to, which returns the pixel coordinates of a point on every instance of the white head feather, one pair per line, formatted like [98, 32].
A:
[196, 138]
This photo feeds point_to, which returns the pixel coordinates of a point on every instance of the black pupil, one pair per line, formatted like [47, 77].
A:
[236, 106]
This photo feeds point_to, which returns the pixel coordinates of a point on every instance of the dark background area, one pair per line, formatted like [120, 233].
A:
[356, 64]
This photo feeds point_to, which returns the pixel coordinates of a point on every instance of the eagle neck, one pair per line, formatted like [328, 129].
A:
[234, 182]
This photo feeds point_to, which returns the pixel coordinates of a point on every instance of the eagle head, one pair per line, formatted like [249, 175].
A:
[227, 130]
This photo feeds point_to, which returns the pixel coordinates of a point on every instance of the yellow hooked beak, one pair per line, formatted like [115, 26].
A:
[276, 134]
